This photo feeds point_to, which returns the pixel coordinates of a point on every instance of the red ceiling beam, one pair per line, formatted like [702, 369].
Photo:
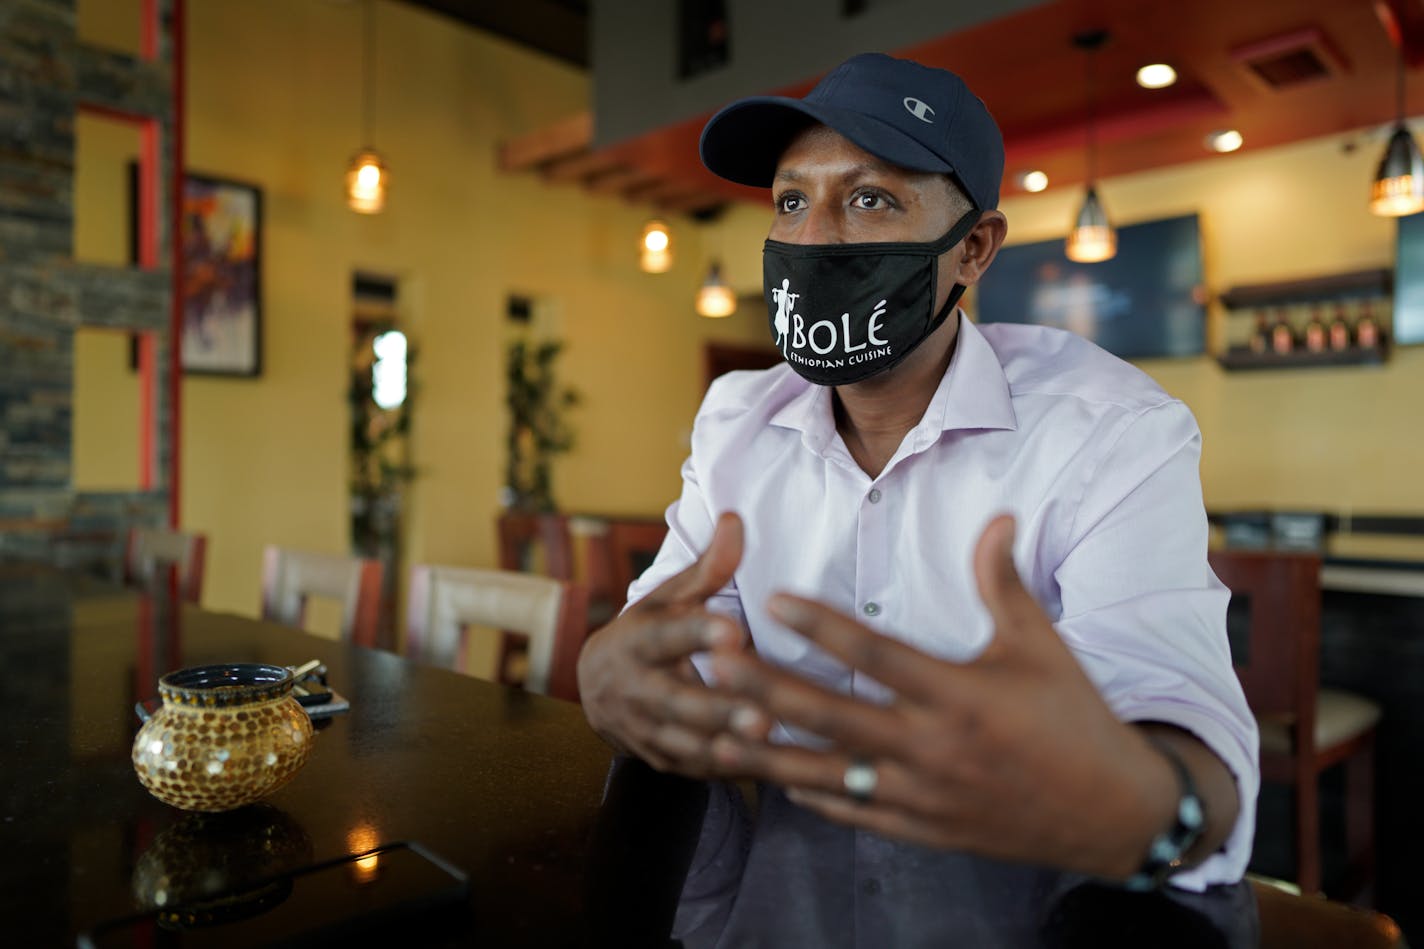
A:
[1111, 126]
[1403, 22]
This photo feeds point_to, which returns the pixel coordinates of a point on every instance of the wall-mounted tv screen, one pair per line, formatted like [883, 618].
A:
[1146, 301]
[1409, 281]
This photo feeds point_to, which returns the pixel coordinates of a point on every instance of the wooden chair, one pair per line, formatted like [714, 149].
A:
[549, 614]
[1304, 728]
[523, 537]
[632, 546]
[289, 577]
[149, 550]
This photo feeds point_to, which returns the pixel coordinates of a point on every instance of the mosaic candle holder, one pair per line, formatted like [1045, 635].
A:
[227, 735]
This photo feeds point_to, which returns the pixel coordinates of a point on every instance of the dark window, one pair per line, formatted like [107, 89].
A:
[702, 37]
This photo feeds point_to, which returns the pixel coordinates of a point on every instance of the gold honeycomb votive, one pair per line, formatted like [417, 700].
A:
[227, 735]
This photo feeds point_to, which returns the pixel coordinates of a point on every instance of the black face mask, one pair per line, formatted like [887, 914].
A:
[841, 313]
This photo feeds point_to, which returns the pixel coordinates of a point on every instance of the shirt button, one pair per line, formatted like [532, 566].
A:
[871, 609]
[870, 887]
[874, 495]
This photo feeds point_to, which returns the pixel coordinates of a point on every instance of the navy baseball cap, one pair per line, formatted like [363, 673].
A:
[913, 116]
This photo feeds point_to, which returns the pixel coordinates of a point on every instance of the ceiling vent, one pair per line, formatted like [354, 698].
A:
[1291, 59]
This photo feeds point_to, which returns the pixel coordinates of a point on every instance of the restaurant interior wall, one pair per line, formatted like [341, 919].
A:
[274, 99]
[264, 460]
[1337, 439]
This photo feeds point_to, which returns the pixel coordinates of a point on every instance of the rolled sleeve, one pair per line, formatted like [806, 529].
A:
[1146, 617]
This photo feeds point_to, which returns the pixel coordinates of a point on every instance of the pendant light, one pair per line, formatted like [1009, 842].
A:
[367, 176]
[1092, 238]
[716, 299]
[1399, 182]
[655, 248]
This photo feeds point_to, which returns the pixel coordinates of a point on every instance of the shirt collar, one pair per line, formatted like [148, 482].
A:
[974, 394]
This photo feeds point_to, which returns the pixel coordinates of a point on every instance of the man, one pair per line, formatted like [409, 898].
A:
[1006, 640]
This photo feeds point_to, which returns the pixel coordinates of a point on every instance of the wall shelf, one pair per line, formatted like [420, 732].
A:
[1241, 358]
[1365, 288]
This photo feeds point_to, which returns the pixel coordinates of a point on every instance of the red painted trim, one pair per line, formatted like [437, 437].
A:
[149, 181]
[179, 44]
[152, 30]
[1403, 23]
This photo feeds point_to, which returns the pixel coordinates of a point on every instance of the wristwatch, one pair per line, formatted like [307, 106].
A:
[1169, 848]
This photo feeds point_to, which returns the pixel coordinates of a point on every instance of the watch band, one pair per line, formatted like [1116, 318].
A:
[1167, 850]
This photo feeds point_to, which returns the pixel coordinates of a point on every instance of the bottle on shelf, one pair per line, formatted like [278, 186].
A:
[1367, 334]
[1282, 337]
[1339, 330]
[1315, 332]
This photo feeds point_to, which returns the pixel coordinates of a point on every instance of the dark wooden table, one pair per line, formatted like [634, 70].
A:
[506, 786]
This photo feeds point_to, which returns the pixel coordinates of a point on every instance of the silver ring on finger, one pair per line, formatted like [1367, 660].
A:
[859, 780]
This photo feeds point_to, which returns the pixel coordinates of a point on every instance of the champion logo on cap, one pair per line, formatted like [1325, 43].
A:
[918, 109]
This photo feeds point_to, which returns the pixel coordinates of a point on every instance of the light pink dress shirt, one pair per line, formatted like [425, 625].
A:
[1097, 463]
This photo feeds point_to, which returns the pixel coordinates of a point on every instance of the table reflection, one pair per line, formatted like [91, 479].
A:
[221, 866]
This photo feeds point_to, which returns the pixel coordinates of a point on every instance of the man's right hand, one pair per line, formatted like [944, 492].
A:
[639, 689]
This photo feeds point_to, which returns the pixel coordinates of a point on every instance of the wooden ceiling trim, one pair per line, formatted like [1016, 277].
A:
[565, 138]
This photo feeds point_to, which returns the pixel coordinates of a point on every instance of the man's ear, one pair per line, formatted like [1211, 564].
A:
[982, 246]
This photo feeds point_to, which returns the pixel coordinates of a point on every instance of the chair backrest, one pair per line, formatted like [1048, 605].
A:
[150, 549]
[290, 576]
[1280, 593]
[522, 536]
[632, 546]
[444, 601]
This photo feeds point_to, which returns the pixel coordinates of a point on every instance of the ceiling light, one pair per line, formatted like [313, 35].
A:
[1034, 181]
[716, 299]
[1092, 238]
[1399, 181]
[367, 176]
[655, 248]
[366, 179]
[1224, 140]
[1156, 76]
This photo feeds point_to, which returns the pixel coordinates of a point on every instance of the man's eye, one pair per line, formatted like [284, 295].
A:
[869, 201]
[788, 203]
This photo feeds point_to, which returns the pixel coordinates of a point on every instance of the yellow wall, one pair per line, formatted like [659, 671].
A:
[106, 391]
[112, 24]
[105, 453]
[1346, 439]
[274, 93]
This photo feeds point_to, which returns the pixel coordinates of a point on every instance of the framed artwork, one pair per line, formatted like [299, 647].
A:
[1148, 301]
[222, 277]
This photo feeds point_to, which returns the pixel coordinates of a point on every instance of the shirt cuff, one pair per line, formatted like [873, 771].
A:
[1228, 864]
